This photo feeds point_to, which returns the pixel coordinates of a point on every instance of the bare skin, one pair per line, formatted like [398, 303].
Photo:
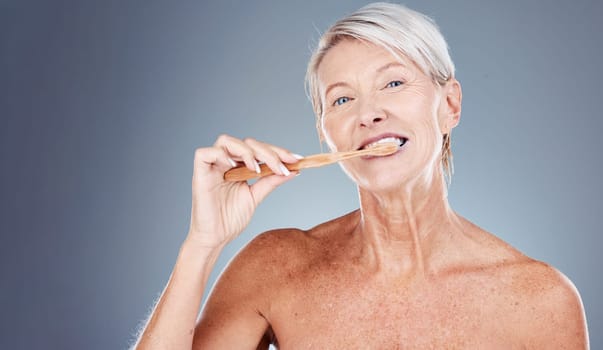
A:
[402, 272]
[317, 290]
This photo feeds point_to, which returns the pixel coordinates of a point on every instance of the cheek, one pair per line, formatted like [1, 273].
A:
[338, 131]
[329, 134]
[431, 133]
[426, 129]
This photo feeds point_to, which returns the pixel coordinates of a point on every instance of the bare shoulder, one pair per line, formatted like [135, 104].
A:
[293, 238]
[273, 251]
[541, 302]
[237, 309]
[553, 314]
[535, 278]
[525, 276]
[546, 288]
[283, 249]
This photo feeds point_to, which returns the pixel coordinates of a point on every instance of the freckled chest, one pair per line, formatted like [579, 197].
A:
[336, 306]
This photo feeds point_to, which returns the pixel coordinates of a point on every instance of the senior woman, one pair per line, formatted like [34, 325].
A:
[402, 271]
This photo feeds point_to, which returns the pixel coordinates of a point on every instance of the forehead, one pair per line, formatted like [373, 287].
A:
[351, 56]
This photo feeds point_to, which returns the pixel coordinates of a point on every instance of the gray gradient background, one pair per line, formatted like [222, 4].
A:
[103, 103]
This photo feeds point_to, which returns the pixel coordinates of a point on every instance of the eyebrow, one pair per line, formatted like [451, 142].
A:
[379, 70]
[332, 86]
[390, 65]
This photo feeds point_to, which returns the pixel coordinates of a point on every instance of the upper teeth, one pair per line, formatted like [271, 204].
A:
[384, 140]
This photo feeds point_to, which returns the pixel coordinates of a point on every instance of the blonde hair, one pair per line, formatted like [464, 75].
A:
[398, 29]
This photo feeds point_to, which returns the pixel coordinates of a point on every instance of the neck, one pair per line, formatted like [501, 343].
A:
[400, 229]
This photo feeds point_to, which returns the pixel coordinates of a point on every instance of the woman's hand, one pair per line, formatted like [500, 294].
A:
[221, 209]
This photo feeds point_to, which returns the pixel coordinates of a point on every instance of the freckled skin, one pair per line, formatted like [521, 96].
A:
[314, 291]
[404, 271]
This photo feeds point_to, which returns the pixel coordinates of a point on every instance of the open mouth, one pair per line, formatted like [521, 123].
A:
[390, 139]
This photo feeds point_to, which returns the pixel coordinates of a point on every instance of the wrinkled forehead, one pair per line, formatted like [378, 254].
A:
[349, 58]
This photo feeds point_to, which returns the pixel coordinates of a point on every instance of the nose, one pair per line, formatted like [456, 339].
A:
[369, 121]
[370, 114]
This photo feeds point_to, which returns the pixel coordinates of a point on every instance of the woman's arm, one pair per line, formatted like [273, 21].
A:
[172, 322]
[220, 212]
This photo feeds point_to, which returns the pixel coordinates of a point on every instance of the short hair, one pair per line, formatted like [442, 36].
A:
[398, 29]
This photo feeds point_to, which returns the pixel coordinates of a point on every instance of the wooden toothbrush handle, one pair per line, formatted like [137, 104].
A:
[242, 173]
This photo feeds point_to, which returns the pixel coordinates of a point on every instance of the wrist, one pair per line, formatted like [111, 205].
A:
[193, 248]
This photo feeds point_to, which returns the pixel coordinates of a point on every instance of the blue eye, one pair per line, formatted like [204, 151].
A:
[341, 101]
[394, 83]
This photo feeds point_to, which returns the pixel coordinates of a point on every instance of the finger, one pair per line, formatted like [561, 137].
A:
[267, 184]
[286, 155]
[251, 150]
[266, 154]
[283, 154]
[210, 158]
[239, 150]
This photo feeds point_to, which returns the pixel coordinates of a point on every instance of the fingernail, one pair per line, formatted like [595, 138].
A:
[284, 169]
[298, 156]
[232, 162]
[257, 167]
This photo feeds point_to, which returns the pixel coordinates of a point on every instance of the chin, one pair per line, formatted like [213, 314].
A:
[390, 179]
[381, 182]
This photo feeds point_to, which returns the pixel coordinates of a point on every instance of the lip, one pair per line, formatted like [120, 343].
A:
[379, 137]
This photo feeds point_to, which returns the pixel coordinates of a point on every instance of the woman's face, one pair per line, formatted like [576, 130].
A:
[368, 95]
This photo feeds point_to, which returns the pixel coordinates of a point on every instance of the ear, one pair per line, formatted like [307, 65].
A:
[451, 105]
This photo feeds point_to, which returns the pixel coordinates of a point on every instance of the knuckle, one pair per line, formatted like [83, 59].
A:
[248, 154]
[223, 138]
[249, 140]
[279, 150]
[274, 156]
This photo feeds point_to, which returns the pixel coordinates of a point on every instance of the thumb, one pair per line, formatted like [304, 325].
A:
[267, 184]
